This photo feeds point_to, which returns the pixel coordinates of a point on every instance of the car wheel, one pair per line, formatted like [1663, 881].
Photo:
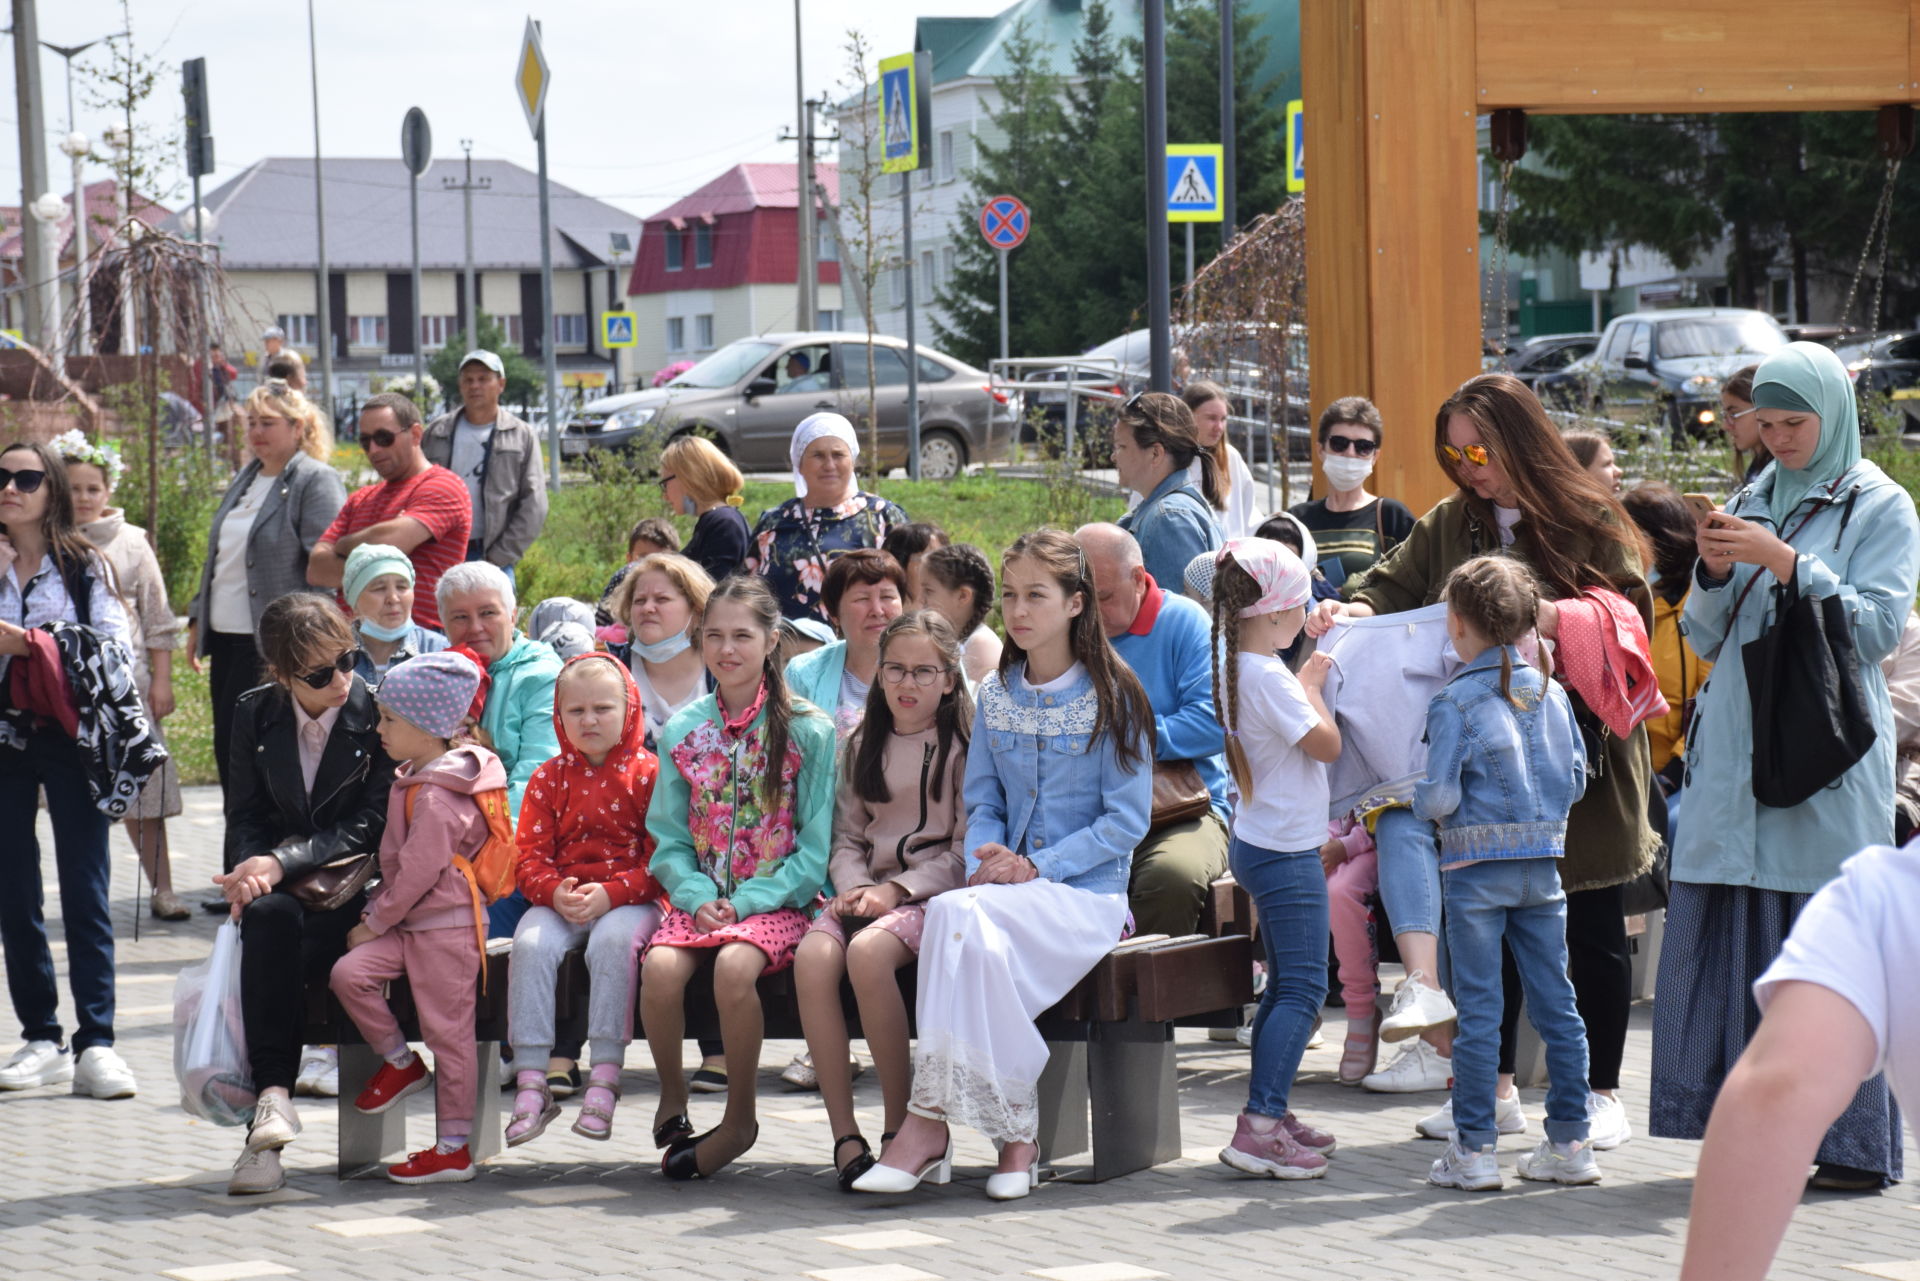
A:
[942, 455]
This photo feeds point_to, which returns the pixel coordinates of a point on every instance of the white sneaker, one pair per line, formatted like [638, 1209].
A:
[1508, 1118]
[103, 1074]
[1417, 1067]
[1468, 1171]
[36, 1063]
[1416, 1007]
[319, 1072]
[275, 1124]
[1552, 1162]
[1607, 1126]
[257, 1173]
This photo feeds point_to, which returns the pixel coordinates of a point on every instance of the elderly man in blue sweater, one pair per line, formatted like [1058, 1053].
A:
[1168, 641]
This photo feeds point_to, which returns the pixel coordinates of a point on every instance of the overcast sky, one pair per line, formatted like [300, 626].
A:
[650, 99]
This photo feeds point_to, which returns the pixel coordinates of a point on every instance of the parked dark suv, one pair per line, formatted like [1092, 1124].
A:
[1665, 365]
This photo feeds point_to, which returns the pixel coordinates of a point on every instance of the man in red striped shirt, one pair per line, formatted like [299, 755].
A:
[417, 506]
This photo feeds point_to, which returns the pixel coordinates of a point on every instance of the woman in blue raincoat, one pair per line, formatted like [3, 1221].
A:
[1742, 871]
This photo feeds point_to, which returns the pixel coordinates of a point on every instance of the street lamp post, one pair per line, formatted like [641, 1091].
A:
[75, 145]
[48, 209]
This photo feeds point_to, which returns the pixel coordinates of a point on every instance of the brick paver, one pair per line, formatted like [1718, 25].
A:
[136, 1189]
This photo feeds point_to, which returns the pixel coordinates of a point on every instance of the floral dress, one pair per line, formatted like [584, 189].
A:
[793, 544]
[716, 837]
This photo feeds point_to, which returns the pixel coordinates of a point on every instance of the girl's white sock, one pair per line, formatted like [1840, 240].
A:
[403, 1060]
[449, 1144]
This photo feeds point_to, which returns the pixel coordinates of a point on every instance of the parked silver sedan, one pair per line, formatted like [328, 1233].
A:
[749, 395]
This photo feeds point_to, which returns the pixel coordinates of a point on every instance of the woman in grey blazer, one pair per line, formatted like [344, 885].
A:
[276, 508]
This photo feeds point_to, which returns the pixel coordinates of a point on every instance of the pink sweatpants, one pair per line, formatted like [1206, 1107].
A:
[1348, 886]
[443, 969]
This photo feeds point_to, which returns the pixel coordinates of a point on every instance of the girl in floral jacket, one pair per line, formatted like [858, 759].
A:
[741, 851]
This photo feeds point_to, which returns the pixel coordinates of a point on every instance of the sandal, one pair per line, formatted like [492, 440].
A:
[1360, 1055]
[858, 1166]
[596, 1117]
[533, 1111]
[672, 1130]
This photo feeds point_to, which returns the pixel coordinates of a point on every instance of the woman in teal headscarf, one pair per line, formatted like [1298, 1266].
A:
[1741, 871]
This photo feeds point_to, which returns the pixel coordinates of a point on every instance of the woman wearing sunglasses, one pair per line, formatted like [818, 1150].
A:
[308, 788]
[1741, 422]
[274, 511]
[1522, 491]
[49, 573]
[1351, 528]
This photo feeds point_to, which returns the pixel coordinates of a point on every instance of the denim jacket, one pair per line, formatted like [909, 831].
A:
[1500, 779]
[1042, 745]
[1173, 524]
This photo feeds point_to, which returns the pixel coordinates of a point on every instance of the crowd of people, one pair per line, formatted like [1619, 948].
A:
[800, 743]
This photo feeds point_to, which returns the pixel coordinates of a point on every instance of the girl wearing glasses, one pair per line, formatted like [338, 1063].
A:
[1352, 528]
[48, 574]
[1521, 493]
[1742, 425]
[899, 826]
[309, 787]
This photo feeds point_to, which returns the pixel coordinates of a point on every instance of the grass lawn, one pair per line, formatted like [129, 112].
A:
[190, 728]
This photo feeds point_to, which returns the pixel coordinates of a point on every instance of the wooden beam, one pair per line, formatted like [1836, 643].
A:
[1574, 56]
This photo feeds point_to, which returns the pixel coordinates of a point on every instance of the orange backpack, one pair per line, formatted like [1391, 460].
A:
[489, 871]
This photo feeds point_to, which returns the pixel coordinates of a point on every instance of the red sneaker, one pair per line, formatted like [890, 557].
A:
[391, 1084]
[434, 1166]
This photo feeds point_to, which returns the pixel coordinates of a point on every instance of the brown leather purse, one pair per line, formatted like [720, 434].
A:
[1179, 794]
[332, 885]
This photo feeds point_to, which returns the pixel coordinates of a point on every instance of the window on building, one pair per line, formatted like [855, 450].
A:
[570, 330]
[703, 246]
[944, 157]
[829, 320]
[676, 248]
[509, 329]
[929, 277]
[435, 330]
[703, 332]
[947, 258]
[366, 331]
[828, 243]
[301, 331]
[897, 285]
[676, 333]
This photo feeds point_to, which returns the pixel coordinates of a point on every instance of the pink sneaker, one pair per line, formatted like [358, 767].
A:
[1307, 1136]
[1262, 1146]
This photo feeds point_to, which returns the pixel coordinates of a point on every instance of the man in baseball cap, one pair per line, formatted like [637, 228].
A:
[497, 454]
[274, 340]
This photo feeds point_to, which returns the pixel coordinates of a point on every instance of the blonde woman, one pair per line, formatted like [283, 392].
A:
[698, 480]
[277, 508]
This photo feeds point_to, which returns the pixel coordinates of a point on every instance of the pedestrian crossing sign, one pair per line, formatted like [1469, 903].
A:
[1296, 146]
[904, 100]
[616, 329]
[1193, 183]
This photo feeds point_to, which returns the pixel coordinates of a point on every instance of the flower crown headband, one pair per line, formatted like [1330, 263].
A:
[74, 446]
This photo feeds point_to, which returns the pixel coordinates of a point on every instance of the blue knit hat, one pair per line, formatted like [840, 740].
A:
[369, 561]
[431, 691]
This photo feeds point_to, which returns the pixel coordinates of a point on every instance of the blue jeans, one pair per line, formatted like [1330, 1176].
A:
[1290, 892]
[1520, 900]
[81, 861]
[1409, 849]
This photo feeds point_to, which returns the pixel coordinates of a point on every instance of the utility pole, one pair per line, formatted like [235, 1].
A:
[805, 301]
[466, 189]
[1227, 183]
[320, 234]
[33, 169]
[1159, 287]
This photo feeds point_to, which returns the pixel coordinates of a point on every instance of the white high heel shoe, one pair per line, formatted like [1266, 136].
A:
[887, 1178]
[1011, 1187]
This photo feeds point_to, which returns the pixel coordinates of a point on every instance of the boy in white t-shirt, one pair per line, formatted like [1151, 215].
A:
[1837, 1011]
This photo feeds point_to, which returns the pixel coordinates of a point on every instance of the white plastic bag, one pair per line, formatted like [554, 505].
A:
[209, 1037]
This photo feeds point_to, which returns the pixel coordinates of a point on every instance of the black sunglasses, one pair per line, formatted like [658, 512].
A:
[26, 480]
[321, 677]
[1349, 445]
[383, 438]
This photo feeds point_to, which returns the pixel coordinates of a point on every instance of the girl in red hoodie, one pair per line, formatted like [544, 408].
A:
[584, 851]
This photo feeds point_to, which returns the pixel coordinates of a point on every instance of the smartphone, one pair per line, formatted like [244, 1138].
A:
[1702, 504]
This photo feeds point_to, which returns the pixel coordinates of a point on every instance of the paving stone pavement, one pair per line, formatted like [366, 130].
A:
[136, 1189]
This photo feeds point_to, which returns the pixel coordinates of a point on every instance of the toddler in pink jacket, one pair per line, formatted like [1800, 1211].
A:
[419, 922]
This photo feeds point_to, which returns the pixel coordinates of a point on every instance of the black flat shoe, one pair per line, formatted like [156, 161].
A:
[860, 1164]
[564, 1084]
[682, 1161]
[1831, 1176]
[672, 1130]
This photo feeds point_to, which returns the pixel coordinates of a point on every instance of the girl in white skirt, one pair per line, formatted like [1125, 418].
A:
[1059, 787]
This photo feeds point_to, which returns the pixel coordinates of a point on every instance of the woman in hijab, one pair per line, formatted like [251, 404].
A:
[1838, 526]
[829, 514]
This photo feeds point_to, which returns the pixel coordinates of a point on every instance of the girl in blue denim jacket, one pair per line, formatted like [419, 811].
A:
[1505, 764]
[1059, 787]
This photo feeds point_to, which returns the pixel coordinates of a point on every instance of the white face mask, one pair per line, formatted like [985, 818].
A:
[1345, 472]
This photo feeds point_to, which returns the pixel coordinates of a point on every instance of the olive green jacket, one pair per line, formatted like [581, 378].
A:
[1609, 840]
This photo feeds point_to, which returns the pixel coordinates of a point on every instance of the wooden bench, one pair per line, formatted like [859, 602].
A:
[1110, 1087]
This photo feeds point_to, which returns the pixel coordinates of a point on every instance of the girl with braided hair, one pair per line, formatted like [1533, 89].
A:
[1280, 738]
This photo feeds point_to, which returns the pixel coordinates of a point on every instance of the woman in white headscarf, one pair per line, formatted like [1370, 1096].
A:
[829, 514]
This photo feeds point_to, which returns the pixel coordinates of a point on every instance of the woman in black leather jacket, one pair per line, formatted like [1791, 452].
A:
[307, 785]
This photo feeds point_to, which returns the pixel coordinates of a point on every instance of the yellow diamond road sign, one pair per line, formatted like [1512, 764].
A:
[532, 79]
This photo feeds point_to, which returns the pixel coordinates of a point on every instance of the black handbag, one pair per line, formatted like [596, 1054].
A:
[1811, 719]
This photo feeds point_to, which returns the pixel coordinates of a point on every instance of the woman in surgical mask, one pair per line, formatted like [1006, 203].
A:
[661, 602]
[1239, 513]
[378, 581]
[1351, 527]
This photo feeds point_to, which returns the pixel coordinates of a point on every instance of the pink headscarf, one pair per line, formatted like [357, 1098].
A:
[1283, 577]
